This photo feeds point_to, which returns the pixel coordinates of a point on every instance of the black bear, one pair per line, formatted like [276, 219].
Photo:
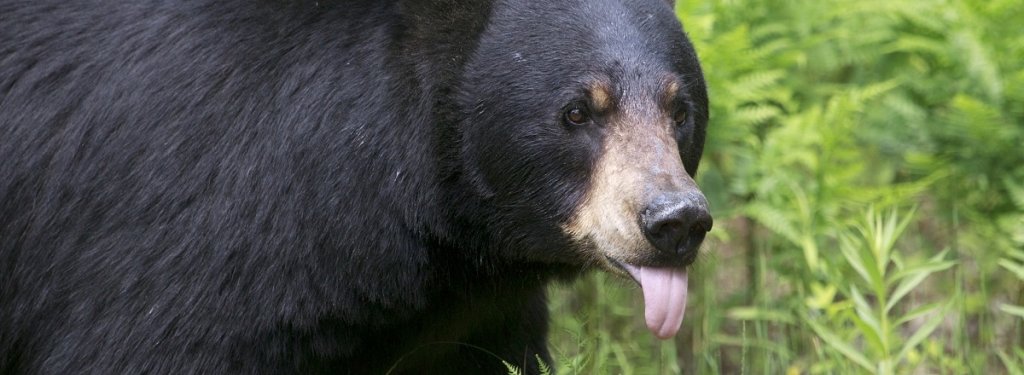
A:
[358, 186]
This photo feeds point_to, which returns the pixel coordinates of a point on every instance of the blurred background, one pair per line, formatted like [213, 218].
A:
[865, 167]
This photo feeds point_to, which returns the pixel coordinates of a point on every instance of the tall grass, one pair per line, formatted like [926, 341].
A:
[866, 160]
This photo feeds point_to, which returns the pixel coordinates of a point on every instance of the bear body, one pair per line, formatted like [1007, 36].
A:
[303, 187]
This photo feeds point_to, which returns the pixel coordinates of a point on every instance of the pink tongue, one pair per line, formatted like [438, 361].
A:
[664, 298]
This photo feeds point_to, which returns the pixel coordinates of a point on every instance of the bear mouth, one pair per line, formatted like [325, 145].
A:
[665, 293]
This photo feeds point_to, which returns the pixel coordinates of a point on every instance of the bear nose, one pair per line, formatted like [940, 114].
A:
[677, 223]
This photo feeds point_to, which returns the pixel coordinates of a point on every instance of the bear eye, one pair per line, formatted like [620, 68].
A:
[679, 117]
[577, 116]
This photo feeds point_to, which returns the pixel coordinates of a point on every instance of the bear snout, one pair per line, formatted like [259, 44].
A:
[675, 223]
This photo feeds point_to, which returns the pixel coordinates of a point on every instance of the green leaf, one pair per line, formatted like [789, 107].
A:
[877, 89]
[1013, 310]
[871, 331]
[841, 345]
[1017, 254]
[849, 249]
[751, 86]
[821, 296]
[917, 313]
[1017, 269]
[543, 366]
[774, 219]
[926, 329]
[905, 287]
[755, 115]
[1015, 190]
[512, 369]
[913, 276]
[1012, 366]
[754, 313]
[868, 323]
[927, 268]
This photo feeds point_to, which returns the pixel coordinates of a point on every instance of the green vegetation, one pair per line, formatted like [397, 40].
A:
[866, 172]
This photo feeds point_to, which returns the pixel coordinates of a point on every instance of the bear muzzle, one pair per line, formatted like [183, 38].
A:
[676, 224]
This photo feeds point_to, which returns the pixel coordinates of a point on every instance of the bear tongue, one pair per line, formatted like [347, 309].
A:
[664, 298]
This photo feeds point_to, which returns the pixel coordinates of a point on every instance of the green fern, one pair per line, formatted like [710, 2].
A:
[512, 369]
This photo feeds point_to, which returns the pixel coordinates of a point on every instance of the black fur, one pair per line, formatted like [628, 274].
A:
[222, 186]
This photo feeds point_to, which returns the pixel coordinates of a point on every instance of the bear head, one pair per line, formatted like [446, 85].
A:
[582, 125]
